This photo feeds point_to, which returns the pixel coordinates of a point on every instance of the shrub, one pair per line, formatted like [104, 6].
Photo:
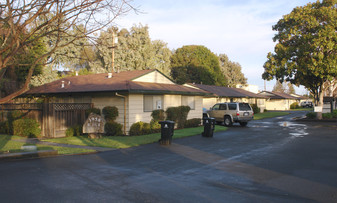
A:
[140, 128]
[334, 113]
[327, 115]
[113, 129]
[294, 105]
[178, 115]
[255, 108]
[11, 117]
[92, 110]
[311, 115]
[194, 122]
[4, 127]
[26, 127]
[158, 115]
[110, 113]
[155, 126]
[265, 110]
[74, 131]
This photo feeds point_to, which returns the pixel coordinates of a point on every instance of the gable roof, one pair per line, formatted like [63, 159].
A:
[278, 95]
[221, 91]
[121, 82]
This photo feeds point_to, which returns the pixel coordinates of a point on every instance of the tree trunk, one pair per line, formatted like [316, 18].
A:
[320, 104]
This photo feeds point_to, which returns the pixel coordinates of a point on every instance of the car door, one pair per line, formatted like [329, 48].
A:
[212, 113]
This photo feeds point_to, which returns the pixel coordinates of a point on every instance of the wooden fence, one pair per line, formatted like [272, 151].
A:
[54, 118]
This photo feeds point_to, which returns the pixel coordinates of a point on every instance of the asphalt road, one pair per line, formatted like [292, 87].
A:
[271, 160]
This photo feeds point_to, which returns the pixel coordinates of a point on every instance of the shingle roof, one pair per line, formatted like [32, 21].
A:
[279, 95]
[118, 82]
[227, 91]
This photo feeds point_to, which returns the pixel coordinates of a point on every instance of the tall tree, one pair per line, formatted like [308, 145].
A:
[279, 87]
[196, 64]
[231, 71]
[290, 89]
[306, 49]
[134, 51]
[24, 22]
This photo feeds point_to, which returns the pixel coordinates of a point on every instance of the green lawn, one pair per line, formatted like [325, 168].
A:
[9, 145]
[269, 115]
[129, 141]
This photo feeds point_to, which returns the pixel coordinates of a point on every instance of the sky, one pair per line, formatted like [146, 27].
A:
[241, 29]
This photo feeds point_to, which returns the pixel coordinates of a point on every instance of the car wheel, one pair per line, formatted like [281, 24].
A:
[243, 124]
[228, 121]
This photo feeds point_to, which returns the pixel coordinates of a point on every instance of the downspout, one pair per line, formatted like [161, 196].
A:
[124, 97]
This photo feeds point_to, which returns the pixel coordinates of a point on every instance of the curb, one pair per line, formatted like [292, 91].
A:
[35, 154]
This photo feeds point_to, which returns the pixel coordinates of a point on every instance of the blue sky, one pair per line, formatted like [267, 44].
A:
[241, 29]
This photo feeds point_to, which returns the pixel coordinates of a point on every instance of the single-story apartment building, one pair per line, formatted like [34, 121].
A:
[279, 100]
[227, 94]
[135, 93]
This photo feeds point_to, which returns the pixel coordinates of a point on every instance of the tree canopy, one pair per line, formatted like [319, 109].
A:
[196, 64]
[306, 49]
[231, 71]
[23, 23]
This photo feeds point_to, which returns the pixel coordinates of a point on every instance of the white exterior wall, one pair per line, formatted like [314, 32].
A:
[154, 77]
[136, 110]
[278, 104]
[197, 111]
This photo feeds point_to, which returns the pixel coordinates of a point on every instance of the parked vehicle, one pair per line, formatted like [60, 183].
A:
[230, 113]
[306, 104]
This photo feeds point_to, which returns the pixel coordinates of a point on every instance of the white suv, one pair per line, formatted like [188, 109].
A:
[231, 112]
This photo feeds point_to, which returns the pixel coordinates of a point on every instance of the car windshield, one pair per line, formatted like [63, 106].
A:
[244, 107]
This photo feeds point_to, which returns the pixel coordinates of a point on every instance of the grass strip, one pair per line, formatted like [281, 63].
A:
[269, 114]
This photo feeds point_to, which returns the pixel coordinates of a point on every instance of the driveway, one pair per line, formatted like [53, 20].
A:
[271, 160]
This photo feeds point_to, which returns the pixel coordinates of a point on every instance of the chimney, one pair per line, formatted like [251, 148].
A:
[109, 75]
[62, 85]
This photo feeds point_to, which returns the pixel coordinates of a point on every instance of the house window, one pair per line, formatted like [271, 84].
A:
[188, 101]
[152, 102]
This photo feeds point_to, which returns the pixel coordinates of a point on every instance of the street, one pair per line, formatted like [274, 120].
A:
[270, 160]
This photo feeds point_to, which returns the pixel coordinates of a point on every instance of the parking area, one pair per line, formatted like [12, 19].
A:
[270, 160]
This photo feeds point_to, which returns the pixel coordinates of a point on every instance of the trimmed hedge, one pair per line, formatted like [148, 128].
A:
[158, 115]
[311, 115]
[113, 129]
[178, 115]
[294, 105]
[26, 127]
[74, 131]
[140, 128]
[194, 122]
[110, 113]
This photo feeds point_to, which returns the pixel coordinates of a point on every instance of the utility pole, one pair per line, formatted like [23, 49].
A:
[113, 53]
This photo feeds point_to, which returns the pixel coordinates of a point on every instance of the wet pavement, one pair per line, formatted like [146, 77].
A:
[270, 160]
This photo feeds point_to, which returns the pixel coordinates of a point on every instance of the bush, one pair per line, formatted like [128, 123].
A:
[11, 117]
[311, 115]
[178, 115]
[334, 113]
[26, 127]
[294, 105]
[158, 115]
[113, 129]
[265, 110]
[155, 126]
[327, 115]
[92, 110]
[140, 128]
[4, 127]
[255, 108]
[74, 131]
[110, 113]
[194, 122]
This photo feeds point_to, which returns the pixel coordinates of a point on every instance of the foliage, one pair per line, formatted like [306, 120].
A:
[11, 117]
[155, 126]
[231, 71]
[311, 115]
[4, 127]
[327, 115]
[255, 108]
[196, 64]
[294, 105]
[194, 122]
[27, 25]
[74, 131]
[48, 75]
[178, 115]
[26, 127]
[135, 50]
[279, 87]
[306, 49]
[158, 115]
[140, 128]
[110, 113]
[112, 128]
[92, 110]
[334, 113]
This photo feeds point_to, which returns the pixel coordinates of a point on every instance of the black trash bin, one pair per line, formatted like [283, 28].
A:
[167, 129]
[209, 125]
